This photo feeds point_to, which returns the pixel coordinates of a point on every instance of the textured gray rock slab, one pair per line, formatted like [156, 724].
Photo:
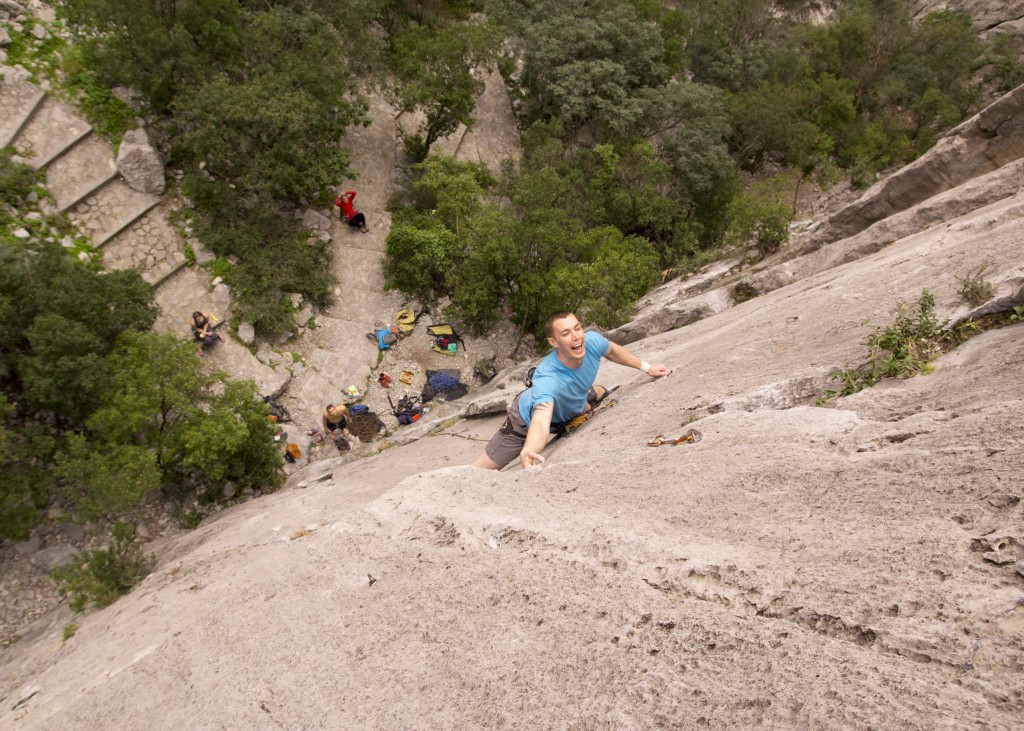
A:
[994, 189]
[796, 549]
[989, 139]
[140, 163]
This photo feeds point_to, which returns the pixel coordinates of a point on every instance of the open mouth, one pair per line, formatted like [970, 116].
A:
[577, 350]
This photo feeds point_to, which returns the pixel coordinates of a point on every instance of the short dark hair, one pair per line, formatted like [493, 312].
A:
[549, 325]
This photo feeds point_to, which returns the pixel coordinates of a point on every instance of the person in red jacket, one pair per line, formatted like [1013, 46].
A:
[348, 211]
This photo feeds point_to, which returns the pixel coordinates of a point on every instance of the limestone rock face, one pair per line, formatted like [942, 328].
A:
[988, 16]
[986, 141]
[140, 164]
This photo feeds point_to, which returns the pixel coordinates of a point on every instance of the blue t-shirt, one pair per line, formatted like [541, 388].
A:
[566, 388]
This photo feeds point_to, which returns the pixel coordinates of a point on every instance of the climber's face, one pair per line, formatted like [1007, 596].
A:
[567, 340]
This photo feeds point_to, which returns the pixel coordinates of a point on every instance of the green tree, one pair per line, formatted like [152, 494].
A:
[422, 258]
[761, 215]
[66, 370]
[490, 273]
[269, 124]
[63, 319]
[584, 63]
[156, 47]
[101, 479]
[611, 273]
[197, 425]
[26, 487]
[435, 68]
[452, 190]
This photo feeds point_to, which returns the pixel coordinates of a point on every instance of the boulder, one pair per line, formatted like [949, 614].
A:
[246, 332]
[315, 221]
[10, 9]
[140, 163]
[222, 297]
[303, 316]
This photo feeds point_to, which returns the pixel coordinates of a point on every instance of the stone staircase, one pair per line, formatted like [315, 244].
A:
[131, 229]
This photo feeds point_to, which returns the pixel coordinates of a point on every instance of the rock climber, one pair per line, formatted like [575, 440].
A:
[335, 419]
[562, 388]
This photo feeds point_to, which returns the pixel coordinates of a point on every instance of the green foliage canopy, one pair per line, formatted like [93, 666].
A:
[435, 68]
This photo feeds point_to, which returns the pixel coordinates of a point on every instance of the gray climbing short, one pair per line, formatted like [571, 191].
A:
[507, 442]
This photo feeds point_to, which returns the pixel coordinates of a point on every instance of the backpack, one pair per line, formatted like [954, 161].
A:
[485, 371]
[446, 338]
[355, 409]
[445, 384]
[279, 412]
[291, 452]
[406, 321]
[407, 411]
[385, 337]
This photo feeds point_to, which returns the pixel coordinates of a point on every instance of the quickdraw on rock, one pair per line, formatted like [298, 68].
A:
[690, 437]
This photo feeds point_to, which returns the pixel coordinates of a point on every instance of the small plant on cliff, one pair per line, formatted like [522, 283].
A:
[900, 350]
[99, 577]
[974, 288]
[744, 291]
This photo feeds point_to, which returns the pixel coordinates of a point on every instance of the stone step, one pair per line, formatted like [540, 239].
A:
[80, 171]
[166, 275]
[150, 245]
[106, 212]
[52, 129]
[18, 100]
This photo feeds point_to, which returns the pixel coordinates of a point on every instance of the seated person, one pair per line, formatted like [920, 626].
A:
[203, 330]
[335, 420]
[348, 212]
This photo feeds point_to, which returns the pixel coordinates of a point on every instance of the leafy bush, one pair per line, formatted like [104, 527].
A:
[197, 426]
[421, 261]
[109, 116]
[761, 214]
[900, 350]
[99, 577]
[25, 489]
[275, 256]
[744, 291]
[974, 288]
